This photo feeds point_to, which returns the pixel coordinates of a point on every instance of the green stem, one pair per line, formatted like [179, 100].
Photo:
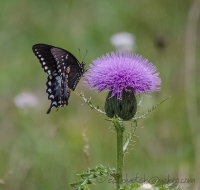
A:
[120, 155]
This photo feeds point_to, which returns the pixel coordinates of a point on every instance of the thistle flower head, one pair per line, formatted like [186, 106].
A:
[123, 41]
[25, 100]
[120, 71]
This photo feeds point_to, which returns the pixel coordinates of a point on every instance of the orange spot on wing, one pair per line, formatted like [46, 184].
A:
[68, 69]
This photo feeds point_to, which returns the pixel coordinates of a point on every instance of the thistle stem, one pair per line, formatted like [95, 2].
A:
[120, 155]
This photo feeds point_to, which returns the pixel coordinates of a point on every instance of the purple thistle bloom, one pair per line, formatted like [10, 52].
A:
[119, 71]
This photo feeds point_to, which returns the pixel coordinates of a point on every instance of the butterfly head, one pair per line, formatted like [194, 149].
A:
[82, 68]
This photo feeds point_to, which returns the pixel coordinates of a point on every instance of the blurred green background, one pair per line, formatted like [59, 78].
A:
[40, 151]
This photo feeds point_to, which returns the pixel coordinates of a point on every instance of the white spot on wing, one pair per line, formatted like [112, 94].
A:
[49, 83]
[54, 103]
[49, 90]
[51, 96]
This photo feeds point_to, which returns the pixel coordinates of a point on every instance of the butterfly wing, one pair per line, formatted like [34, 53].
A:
[63, 59]
[74, 77]
[53, 84]
[64, 72]
[67, 62]
[54, 91]
[43, 53]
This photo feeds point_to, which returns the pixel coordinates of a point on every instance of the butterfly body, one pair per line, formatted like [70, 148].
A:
[64, 72]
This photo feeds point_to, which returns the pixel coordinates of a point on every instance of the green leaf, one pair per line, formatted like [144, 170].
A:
[90, 175]
[135, 185]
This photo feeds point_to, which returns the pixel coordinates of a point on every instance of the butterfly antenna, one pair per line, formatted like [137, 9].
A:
[85, 55]
[79, 53]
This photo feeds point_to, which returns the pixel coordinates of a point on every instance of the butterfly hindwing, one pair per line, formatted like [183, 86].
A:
[74, 77]
[64, 72]
[63, 59]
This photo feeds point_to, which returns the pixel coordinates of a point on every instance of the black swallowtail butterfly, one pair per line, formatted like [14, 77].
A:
[64, 72]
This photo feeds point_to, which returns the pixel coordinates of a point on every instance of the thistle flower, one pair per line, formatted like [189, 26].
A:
[123, 41]
[25, 100]
[122, 73]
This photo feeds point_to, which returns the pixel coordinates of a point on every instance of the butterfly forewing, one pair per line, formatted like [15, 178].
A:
[43, 53]
[64, 72]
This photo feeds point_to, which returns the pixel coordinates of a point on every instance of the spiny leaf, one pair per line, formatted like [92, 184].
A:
[89, 103]
[90, 175]
[150, 110]
[130, 136]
